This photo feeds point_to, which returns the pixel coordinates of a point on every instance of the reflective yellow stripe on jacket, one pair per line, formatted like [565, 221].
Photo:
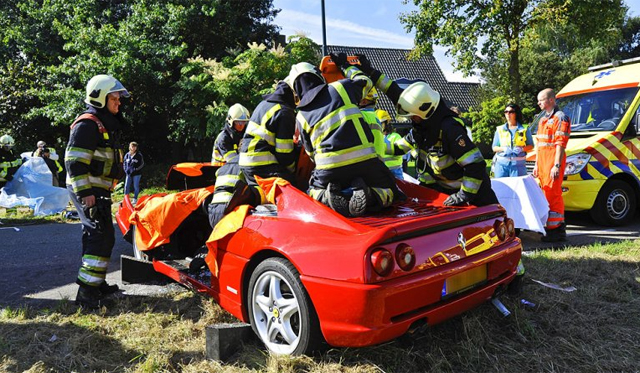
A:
[348, 113]
[259, 131]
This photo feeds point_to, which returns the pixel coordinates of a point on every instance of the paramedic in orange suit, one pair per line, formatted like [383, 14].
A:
[553, 134]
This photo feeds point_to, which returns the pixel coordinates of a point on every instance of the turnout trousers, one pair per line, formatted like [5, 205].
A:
[98, 237]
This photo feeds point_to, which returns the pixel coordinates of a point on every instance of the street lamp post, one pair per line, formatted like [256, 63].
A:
[324, 32]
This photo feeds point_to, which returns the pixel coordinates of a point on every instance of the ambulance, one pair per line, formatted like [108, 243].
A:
[603, 165]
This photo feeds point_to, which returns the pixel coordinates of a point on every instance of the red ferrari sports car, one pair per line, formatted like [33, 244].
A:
[301, 274]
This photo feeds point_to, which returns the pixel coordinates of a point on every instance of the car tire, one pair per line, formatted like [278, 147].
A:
[615, 204]
[137, 253]
[280, 310]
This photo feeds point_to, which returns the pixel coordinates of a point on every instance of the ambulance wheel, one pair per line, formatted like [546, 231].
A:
[137, 253]
[280, 309]
[615, 204]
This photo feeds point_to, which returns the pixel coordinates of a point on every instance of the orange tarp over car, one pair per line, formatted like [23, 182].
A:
[158, 216]
[234, 220]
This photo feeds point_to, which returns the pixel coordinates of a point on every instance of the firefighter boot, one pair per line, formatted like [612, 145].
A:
[106, 289]
[89, 297]
[198, 263]
[336, 200]
[361, 198]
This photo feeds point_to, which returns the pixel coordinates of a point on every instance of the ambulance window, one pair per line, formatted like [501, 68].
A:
[597, 111]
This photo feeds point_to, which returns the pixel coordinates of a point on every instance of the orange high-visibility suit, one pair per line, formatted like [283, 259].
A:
[553, 130]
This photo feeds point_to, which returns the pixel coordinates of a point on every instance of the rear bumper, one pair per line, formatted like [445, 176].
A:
[354, 315]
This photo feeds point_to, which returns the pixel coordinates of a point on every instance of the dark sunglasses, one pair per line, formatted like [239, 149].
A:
[509, 111]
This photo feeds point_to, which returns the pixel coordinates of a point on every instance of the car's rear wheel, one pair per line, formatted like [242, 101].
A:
[615, 204]
[280, 309]
[137, 253]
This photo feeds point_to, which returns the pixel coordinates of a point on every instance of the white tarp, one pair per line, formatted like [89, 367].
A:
[524, 201]
[31, 186]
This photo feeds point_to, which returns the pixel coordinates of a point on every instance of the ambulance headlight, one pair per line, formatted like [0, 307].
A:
[576, 162]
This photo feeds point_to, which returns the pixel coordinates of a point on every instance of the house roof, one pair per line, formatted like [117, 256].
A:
[395, 65]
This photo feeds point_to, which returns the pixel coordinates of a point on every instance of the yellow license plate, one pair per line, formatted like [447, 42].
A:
[464, 280]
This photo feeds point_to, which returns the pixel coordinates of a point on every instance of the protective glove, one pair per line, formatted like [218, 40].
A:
[365, 65]
[507, 152]
[340, 60]
[456, 199]
[417, 137]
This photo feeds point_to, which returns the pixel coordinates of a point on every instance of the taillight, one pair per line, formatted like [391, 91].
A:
[511, 227]
[382, 261]
[501, 230]
[405, 257]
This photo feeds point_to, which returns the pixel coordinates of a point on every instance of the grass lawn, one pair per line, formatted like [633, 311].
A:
[595, 328]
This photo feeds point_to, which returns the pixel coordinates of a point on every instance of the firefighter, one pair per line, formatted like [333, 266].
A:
[340, 143]
[9, 162]
[267, 149]
[228, 140]
[448, 161]
[394, 162]
[367, 107]
[231, 190]
[553, 135]
[93, 161]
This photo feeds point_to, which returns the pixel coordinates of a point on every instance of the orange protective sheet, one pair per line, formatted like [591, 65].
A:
[234, 220]
[190, 169]
[158, 216]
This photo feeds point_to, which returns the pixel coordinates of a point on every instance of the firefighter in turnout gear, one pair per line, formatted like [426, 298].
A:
[231, 191]
[267, 148]
[340, 143]
[553, 135]
[93, 161]
[228, 140]
[448, 161]
[367, 104]
[9, 162]
[394, 162]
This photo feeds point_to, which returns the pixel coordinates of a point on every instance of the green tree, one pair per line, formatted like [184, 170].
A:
[208, 87]
[481, 32]
[143, 43]
[629, 47]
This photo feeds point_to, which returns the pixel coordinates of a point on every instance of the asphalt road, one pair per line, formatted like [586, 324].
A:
[39, 263]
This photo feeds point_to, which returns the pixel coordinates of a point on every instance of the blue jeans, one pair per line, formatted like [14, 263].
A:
[132, 182]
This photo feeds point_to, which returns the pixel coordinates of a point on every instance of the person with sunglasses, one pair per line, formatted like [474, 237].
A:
[511, 143]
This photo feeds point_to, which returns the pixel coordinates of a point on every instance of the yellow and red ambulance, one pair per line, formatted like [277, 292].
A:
[603, 153]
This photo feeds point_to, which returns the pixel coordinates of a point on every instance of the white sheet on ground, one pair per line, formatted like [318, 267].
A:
[31, 186]
[524, 201]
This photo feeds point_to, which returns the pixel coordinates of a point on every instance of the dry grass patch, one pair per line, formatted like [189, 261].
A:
[596, 328]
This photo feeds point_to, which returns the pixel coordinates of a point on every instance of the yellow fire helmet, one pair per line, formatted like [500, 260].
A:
[99, 87]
